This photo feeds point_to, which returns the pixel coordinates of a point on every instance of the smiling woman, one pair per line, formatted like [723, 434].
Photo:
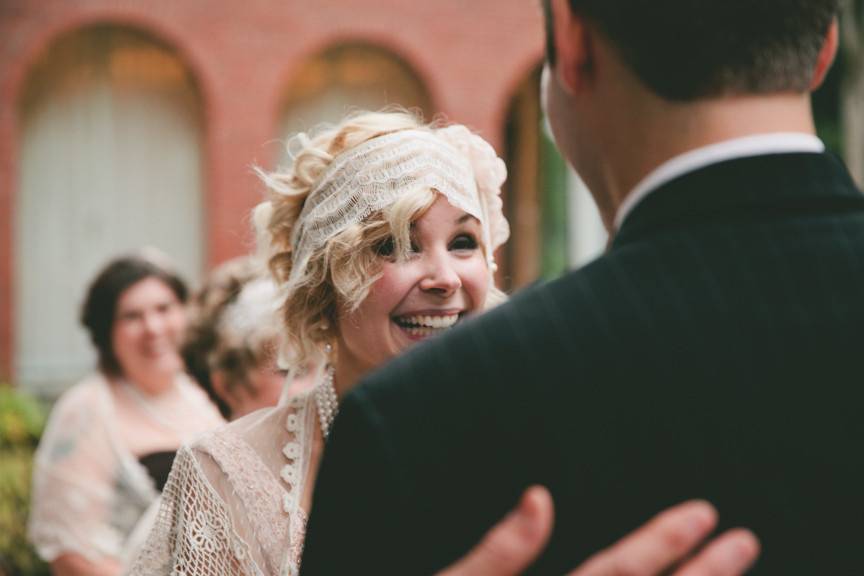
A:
[110, 440]
[443, 278]
[381, 233]
[149, 324]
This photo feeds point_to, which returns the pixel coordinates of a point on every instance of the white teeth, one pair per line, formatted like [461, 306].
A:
[438, 322]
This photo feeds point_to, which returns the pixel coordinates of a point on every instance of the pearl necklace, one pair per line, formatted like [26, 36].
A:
[327, 402]
[157, 413]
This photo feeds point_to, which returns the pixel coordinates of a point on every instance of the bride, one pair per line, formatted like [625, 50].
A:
[381, 233]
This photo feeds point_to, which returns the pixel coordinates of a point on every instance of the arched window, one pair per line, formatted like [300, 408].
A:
[348, 77]
[110, 161]
[554, 222]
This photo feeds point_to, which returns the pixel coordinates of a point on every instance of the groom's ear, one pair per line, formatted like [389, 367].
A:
[572, 45]
[826, 55]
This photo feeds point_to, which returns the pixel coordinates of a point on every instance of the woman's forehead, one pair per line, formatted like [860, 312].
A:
[442, 213]
[145, 291]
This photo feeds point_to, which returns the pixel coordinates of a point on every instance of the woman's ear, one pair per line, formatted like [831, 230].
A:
[220, 387]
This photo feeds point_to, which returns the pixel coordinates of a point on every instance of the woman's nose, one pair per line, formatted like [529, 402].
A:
[440, 276]
[153, 323]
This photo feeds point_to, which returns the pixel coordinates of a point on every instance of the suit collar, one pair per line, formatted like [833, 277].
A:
[692, 160]
[774, 183]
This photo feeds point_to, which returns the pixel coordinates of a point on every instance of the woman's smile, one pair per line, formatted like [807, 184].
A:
[420, 325]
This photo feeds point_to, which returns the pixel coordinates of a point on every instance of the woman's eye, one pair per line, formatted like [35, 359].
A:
[464, 242]
[385, 247]
[129, 316]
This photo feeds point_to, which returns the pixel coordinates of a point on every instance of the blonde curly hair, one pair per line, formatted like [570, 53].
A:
[341, 272]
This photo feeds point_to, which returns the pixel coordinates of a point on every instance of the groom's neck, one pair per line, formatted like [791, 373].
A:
[649, 131]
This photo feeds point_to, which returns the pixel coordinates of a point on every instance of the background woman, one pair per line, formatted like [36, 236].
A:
[111, 439]
[381, 234]
[233, 340]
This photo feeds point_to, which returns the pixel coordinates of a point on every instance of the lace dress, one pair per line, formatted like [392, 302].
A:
[91, 495]
[232, 504]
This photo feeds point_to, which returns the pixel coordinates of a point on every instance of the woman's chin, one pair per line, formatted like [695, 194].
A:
[166, 366]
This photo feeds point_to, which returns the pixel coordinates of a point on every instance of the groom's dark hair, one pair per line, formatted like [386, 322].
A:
[689, 49]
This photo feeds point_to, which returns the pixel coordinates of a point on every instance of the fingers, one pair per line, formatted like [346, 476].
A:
[667, 539]
[513, 543]
[732, 553]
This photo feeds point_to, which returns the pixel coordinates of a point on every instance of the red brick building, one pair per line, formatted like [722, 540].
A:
[129, 122]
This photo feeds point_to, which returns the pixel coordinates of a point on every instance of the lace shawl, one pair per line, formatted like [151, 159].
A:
[90, 493]
[232, 502]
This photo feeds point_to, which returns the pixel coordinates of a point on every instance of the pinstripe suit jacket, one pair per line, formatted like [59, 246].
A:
[713, 352]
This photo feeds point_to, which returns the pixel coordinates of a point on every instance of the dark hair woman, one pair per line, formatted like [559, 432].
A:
[111, 438]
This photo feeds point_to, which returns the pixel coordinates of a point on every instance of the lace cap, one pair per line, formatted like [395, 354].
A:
[373, 175]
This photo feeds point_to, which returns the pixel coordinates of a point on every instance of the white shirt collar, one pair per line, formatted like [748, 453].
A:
[758, 145]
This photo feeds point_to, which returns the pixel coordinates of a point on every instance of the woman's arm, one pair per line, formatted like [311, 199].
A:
[75, 486]
[72, 564]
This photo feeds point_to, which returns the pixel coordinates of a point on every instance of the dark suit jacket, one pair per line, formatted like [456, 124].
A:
[715, 352]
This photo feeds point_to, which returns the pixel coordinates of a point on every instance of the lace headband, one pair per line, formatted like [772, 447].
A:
[373, 175]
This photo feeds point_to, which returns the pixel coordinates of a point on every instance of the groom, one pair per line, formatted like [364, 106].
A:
[711, 353]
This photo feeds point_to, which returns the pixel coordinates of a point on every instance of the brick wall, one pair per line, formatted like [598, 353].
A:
[472, 55]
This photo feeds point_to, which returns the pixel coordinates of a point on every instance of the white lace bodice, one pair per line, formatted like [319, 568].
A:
[232, 505]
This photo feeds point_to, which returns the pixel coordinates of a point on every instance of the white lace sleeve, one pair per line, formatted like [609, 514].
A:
[193, 533]
[232, 502]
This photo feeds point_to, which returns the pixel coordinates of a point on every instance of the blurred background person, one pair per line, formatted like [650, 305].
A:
[111, 439]
[232, 346]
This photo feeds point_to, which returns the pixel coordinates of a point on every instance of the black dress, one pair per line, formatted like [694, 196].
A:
[158, 465]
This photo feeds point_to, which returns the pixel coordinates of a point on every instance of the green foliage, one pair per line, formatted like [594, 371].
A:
[553, 192]
[22, 420]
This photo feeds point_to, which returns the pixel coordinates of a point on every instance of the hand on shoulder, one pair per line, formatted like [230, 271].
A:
[668, 539]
